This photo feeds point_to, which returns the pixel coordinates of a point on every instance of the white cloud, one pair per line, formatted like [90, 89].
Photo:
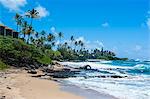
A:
[99, 43]
[53, 30]
[13, 5]
[137, 48]
[80, 38]
[42, 11]
[106, 24]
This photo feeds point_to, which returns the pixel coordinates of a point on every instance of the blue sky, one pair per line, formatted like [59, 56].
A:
[122, 26]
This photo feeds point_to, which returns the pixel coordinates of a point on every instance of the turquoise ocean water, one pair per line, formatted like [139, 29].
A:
[135, 83]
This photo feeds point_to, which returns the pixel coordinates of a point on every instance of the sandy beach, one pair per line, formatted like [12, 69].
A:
[17, 84]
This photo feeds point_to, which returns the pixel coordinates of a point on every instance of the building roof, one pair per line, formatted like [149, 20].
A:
[7, 28]
[2, 25]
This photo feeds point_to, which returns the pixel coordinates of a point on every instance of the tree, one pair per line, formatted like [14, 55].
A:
[76, 44]
[50, 37]
[29, 31]
[24, 28]
[32, 40]
[72, 38]
[18, 19]
[66, 44]
[53, 44]
[37, 35]
[82, 45]
[43, 33]
[32, 14]
[60, 35]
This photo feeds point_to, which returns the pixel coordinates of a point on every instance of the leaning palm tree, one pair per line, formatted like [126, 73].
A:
[32, 14]
[18, 19]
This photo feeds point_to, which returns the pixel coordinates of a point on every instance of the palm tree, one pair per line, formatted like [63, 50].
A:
[82, 44]
[60, 35]
[43, 33]
[76, 44]
[32, 14]
[50, 37]
[29, 31]
[66, 44]
[37, 34]
[24, 28]
[72, 38]
[18, 19]
[32, 40]
[102, 51]
[53, 44]
[79, 42]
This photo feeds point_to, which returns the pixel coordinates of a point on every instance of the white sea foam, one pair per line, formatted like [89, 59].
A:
[132, 87]
[94, 65]
[120, 88]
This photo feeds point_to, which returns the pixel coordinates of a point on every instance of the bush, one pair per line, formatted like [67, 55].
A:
[44, 60]
[3, 66]
[16, 52]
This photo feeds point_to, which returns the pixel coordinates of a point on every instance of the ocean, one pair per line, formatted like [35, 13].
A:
[135, 83]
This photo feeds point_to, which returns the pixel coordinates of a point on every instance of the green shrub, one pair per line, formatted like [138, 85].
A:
[15, 51]
[44, 60]
[3, 66]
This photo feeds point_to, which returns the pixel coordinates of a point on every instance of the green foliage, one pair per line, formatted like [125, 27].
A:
[44, 60]
[15, 51]
[3, 66]
[55, 55]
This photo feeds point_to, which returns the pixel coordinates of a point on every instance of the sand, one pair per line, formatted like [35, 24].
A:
[18, 84]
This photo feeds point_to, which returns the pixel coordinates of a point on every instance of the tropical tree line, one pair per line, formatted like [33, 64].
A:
[71, 50]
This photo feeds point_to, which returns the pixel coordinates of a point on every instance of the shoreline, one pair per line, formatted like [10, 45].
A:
[18, 84]
[87, 93]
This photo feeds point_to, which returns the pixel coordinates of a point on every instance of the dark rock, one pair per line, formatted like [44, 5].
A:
[32, 71]
[116, 76]
[8, 87]
[32, 66]
[86, 67]
[3, 97]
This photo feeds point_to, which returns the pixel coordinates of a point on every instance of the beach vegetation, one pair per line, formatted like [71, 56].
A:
[40, 47]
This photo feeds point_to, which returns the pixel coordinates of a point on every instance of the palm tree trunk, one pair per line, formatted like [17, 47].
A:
[28, 39]
[31, 21]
